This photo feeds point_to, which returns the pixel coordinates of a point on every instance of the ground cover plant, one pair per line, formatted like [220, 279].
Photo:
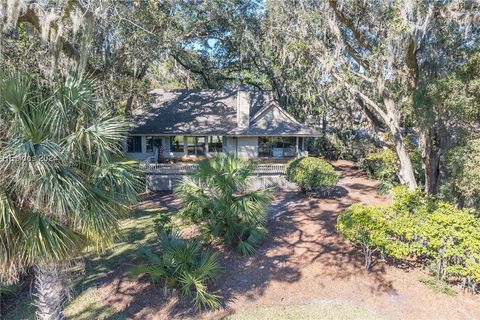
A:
[182, 263]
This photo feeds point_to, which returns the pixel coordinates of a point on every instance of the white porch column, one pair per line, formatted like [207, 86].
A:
[185, 146]
[206, 146]
[297, 151]
[143, 143]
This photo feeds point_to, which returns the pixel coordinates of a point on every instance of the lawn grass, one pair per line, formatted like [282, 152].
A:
[135, 231]
[323, 310]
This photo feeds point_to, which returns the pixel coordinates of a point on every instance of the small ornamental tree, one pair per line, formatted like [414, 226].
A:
[311, 173]
[450, 239]
[370, 228]
[438, 232]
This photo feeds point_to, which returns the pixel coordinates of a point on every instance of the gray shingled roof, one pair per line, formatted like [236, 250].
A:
[212, 112]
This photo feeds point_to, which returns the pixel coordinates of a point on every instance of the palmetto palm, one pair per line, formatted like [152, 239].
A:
[217, 200]
[62, 185]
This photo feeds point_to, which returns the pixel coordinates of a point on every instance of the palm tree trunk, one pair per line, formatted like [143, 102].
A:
[51, 286]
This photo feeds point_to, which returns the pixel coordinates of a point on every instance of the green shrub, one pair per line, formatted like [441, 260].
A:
[7, 290]
[450, 239]
[311, 173]
[446, 237]
[381, 165]
[370, 228]
[406, 200]
[216, 201]
[182, 263]
[463, 175]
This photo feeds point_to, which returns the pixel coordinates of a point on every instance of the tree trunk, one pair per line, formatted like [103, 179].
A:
[430, 162]
[406, 173]
[434, 142]
[51, 287]
[374, 120]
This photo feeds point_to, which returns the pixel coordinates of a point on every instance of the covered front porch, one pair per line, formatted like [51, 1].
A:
[161, 148]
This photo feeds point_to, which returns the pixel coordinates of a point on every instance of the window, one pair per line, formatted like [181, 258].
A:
[215, 144]
[196, 146]
[289, 146]
[277, 146]
[176, 144]
[134, 144]
[264, 147]
[153, 142]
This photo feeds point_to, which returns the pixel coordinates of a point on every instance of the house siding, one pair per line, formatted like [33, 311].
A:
[247, 147]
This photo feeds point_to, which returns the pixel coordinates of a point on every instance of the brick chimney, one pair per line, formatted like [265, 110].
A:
[243, 109]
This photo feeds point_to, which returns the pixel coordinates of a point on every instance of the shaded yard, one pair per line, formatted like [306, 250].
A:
[303, 269]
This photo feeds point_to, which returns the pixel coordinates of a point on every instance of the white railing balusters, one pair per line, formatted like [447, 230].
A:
[189, 168]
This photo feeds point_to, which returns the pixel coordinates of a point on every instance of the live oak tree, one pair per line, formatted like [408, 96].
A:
[382, 52]
[336, 56]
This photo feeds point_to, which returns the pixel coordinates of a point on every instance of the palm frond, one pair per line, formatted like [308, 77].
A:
[14, 91]
[9, 218]
[45, 240]
[120, 180]
[245, 248]
[100, 142]
[208, 267]
[195, 288]
[10, 230]
[75, 101]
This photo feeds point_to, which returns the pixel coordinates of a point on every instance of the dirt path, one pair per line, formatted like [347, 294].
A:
[303, 261]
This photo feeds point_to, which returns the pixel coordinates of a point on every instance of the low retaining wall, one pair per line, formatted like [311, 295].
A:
[166, 177]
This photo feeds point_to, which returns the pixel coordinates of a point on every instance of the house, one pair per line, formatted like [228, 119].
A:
[197, 123]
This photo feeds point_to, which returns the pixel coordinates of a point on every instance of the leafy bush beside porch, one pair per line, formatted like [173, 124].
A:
[311, 173]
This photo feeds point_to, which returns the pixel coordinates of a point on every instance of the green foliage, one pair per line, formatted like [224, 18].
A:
[344, 144]
[311, 173]
[184, 264]
[383, 165]
[462, 183]
[370, 227]
[447, 237]
[163, 223]
[64, 184]
[450, 238]
[216, 200]
[7, 290]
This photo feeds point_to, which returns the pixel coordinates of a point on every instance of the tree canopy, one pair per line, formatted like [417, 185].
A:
[404, 70]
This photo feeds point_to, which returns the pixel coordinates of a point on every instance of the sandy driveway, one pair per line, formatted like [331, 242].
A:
[303, 261]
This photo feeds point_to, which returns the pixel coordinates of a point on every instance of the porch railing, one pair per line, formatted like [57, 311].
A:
[189, 168]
